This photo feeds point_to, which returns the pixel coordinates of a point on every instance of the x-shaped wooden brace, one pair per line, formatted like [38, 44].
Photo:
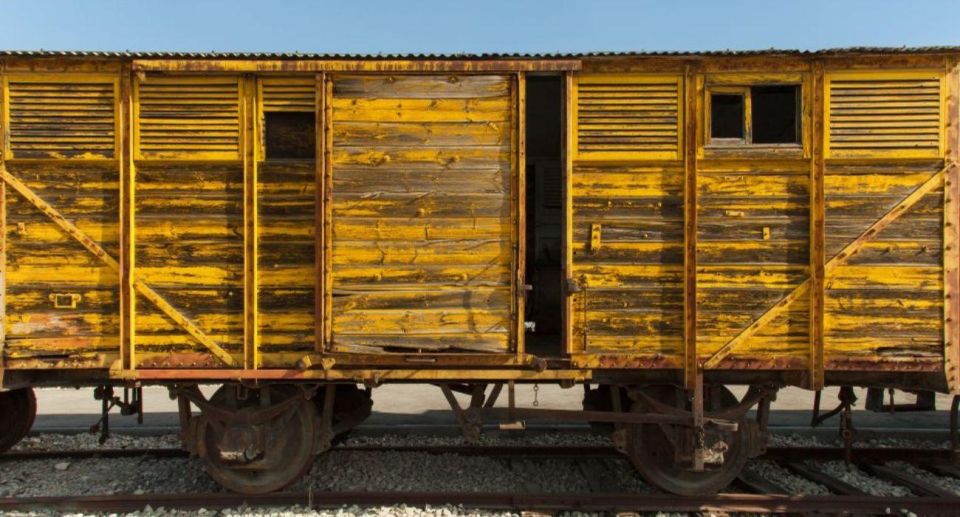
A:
[93, 247]
[932, 183]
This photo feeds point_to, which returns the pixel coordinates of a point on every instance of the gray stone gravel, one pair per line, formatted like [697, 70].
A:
[297, 511]
[89, 476]
[785, 479]
[87, 441]
[856, 477]
[386, 471]
[944, 482]
[336, 470]
[422, 472]
[798, 440]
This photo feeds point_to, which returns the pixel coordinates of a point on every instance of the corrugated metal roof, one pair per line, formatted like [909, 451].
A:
[468, 56]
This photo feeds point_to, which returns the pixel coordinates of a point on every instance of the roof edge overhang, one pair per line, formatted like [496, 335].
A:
[301, 56]
[355, 65]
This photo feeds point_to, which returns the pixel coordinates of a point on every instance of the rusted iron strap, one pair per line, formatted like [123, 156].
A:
[602, 416]
[356, 65]
[929, 185]
[93, 247]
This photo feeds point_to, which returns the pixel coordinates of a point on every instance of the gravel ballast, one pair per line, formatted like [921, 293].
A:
[354, 470]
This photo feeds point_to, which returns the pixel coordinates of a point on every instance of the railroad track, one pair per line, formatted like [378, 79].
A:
[784, 454]
[764, 496]
[731, 502]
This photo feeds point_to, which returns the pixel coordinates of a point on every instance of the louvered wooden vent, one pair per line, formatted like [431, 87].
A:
[628, 117]
[188, 118]
[888, 115]
[65, 117]
[296, 94]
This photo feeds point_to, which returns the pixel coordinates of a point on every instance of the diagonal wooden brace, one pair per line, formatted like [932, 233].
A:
[932, 183]
[93, 247]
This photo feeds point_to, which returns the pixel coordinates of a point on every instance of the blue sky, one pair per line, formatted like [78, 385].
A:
[448, 26]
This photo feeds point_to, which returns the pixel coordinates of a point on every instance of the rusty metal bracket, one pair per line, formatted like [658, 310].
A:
[469, 420]
[844, 408]
[935, 181]
[754, 395]
[93, 247]
[130, 404]
[247, 417]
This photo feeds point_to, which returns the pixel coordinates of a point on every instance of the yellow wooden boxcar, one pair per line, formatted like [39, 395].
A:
[655, 225]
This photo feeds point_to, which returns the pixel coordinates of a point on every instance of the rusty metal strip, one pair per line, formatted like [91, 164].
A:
[930, 184]
[93, 247]
[3, 225]
[355, 65]
[951, 236]
[251, 291]
[128, 299]
[691, 366]
[815, 374]
[327, 295]
[319, 106]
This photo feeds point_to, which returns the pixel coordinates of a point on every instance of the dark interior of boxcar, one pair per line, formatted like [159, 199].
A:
[544, 204]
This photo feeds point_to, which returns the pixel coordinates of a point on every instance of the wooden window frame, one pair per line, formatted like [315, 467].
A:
[262, 111]
[744, 93]
[746, 143]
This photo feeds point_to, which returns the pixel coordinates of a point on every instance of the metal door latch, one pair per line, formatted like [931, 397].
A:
[65, 300]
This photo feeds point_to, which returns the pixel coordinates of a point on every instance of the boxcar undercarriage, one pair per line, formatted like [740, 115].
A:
[652, 227]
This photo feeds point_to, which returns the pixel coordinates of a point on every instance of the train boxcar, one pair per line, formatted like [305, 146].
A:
[653, 226]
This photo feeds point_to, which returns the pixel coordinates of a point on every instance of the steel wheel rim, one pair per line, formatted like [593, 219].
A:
[295, 446]
[651, 453]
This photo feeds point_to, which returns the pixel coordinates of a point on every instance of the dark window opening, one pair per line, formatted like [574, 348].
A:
[290, 136]
[726, 116]
[775, 117]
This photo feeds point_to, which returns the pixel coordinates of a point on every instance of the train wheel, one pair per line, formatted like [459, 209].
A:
[18, 409]
[260, 442]
[662, 453]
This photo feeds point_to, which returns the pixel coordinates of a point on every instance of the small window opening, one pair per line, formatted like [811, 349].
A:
[290, 136]
[726, 116]
[774, 110]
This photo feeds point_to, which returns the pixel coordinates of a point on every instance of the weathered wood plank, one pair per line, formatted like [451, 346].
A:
[490, 181]
[428, 134]
[465, 252]
[420, 86]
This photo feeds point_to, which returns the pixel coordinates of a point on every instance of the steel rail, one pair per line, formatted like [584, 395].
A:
[501, 501]
[930, 456]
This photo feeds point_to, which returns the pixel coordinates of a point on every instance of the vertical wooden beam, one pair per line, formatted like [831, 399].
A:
[691, 363]
[815, 372]
[520, 202]
[567, 142]
[128, 295]
[3, 221]
[251, 288]
[328, 210]
[951, 231]
[320, 139]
